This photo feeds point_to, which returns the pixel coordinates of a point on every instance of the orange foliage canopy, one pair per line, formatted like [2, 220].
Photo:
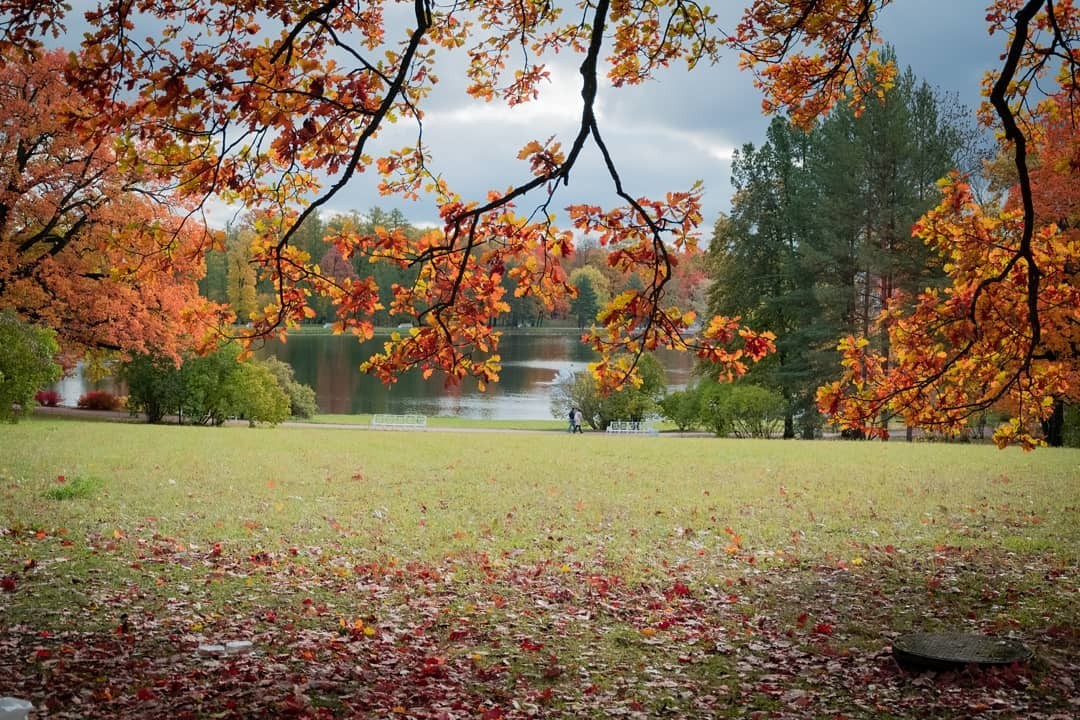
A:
[276, 104]
[80, 251]
[1006, 332]
[981, 342]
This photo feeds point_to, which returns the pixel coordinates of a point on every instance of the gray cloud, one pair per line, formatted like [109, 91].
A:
[664, 134]
[680, 128]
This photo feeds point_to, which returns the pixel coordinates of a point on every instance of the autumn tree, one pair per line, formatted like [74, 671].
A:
[248, 104]
[970, 345]
[86, 247]
[240, 275]
[278, 105]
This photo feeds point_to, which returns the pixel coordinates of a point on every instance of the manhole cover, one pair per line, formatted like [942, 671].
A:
[948, 651]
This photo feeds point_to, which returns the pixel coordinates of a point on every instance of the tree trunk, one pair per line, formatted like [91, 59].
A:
[1054, 426]
[789, 425]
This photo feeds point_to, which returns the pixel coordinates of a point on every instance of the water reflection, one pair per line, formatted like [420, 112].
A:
[330, 364]
[531, 365]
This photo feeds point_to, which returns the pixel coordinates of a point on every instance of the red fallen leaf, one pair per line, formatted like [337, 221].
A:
[8, 583]
[800, 622]
[493, 714]
[529, 646]
[145, 693]
[823, 629]
[433, 667]
[216, 550]
[680, 589]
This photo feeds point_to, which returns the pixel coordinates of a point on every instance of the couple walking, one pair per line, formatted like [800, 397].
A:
[576, 417]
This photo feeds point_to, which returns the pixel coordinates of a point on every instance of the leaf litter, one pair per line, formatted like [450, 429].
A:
[737, 632]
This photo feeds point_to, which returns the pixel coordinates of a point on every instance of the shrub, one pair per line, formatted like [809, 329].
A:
[26, 363]
[258, 396]
[302, 402]
[48, 398]
[209, 386]
[713, 410]
[743, 409]
[154, 385]
[756, 411]
[683, 408]
[99, 400]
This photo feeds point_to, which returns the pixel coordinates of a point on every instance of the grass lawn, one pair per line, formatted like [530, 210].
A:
[446, 422]
[512, 575]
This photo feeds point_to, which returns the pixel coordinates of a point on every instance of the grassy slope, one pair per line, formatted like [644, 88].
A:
[786, 550]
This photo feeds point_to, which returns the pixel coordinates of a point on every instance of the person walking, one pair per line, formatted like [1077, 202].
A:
[570, 423]
[578, 418]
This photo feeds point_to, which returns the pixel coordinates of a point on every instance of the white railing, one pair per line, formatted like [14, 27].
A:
[632, 427]
[399, 421]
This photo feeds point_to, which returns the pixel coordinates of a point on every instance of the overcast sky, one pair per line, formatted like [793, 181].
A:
[666, 134]
[670, 132]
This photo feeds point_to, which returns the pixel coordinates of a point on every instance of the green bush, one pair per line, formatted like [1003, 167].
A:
[713, 410]
[741, 409]
[257, 396]
[302, 401]
[210, 395]
[155, 386]
[27, 355]
[209, 389]
[683, 408]
[756, 411]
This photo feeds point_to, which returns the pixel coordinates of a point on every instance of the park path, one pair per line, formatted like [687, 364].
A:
[124, 416]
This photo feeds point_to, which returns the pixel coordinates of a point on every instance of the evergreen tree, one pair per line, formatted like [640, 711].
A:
[819, 237]
[756, 259]
[585, 306]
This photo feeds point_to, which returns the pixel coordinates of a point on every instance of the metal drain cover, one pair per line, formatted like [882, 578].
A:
[949, 651]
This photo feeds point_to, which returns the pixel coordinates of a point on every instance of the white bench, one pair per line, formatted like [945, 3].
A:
[632, 427]
[399, 421]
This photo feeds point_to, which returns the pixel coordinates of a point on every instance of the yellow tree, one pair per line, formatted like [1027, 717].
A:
[240, 277]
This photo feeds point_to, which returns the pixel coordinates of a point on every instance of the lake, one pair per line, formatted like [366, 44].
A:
[532, 363]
